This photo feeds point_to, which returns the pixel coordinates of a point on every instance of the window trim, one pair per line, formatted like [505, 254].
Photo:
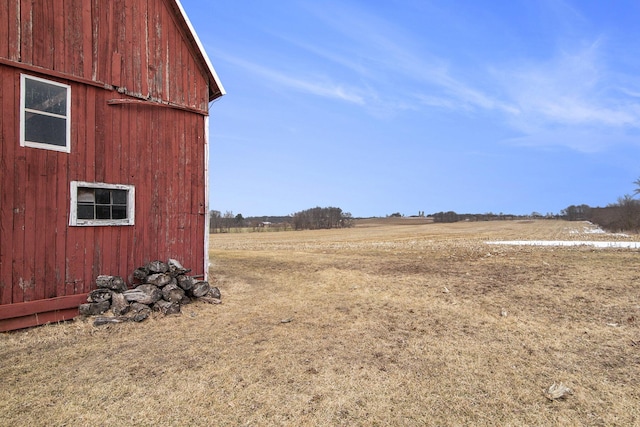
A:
[73, 211]
[23, 143]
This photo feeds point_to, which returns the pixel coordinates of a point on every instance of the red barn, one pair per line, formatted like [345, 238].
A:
[104, 109]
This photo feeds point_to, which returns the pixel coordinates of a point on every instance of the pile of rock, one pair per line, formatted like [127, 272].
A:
[160, 286]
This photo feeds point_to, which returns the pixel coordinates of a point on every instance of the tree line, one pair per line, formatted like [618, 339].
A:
[321, 218]
[222, 223]
[310, 219]
[623, 215]
[451, 216]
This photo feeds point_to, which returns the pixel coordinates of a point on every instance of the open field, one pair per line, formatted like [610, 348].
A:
[406, 324]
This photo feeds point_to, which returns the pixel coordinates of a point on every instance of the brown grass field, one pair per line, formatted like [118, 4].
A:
[382, 324]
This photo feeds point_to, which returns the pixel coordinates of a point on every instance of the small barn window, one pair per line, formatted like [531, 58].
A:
[95, 203]
[45, 111]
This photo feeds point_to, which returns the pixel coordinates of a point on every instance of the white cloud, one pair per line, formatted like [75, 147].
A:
[570, 100]
[394, 60]
[319, 86]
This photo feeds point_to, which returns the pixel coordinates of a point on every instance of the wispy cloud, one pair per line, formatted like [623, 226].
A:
[315, 85]
[366, 61]
[349, 61]
[394, 59]
[570, 100]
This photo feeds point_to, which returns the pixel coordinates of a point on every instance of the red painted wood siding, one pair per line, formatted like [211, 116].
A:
[158, 150]
[137, 47]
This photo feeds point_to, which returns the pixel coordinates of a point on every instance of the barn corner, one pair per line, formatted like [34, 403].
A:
[104, 117]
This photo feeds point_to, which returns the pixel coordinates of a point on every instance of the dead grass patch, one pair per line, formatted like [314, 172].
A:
[385, 325]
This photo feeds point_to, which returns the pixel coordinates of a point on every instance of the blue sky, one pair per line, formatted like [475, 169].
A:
[404, 106]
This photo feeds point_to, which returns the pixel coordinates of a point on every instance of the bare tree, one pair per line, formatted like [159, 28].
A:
[577, 213]
[228, 219]
[215, 222]
[629, 210]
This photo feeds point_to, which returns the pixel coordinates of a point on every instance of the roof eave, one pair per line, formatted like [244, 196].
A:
[214, 92]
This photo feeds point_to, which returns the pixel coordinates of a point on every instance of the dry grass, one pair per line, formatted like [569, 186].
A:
[410, 324]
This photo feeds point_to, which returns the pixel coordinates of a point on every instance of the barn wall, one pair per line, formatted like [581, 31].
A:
[133, 45]
[158, 150]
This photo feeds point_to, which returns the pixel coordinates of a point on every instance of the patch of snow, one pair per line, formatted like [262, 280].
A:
[592, 228]
[627, 245]
[587, 229]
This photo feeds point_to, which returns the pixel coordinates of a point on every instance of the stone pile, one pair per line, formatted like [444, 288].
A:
[159, 286]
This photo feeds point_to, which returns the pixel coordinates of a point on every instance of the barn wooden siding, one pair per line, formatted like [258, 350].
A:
[126, 61]
[136, 46]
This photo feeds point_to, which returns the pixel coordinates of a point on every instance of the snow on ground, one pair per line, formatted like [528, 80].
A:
[631, 245]
[590, 228]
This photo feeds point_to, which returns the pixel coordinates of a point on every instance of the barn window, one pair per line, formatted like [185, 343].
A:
[45, 111]
[95, 203]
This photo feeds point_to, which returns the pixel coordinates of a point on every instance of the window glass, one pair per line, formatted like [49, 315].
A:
[103, 197]
[103, 212]
[86, 212]
[96, 204]
[45, 111]
[118, 212]
[101, 203]
[119, 197]
[45, 97]
[45, 129]
[86, 195]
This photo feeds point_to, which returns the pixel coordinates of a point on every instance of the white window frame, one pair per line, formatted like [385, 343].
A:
[73, 211]
[23, 110]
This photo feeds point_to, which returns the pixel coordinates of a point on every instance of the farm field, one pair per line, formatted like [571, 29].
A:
[401, 323]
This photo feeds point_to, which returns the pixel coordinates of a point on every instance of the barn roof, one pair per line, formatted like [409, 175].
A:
[216, 90]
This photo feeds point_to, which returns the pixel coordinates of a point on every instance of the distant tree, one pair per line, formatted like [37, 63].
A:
[239, 220]
[576, 213]
[346, 220]
[629, 213]
[215, 222]
[449, 216]
[227, 220]
[637, 184]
